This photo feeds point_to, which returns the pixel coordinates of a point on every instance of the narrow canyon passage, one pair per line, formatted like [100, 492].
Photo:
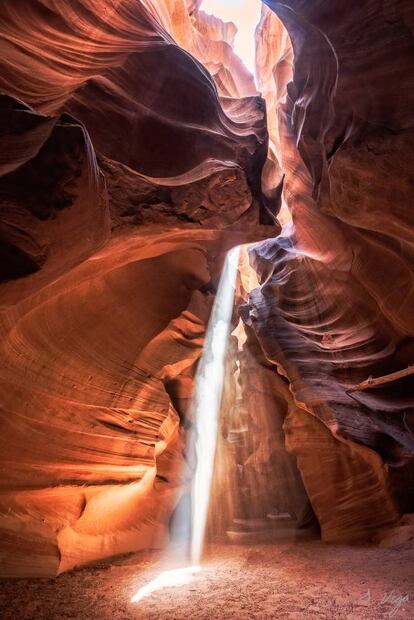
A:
[206, 309]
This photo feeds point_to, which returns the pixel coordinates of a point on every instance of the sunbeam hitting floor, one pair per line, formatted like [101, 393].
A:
[305, 581]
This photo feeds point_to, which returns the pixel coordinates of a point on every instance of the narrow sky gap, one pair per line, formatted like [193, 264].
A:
[245, 14]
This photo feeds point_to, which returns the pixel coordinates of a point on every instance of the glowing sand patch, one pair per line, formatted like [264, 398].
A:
[168, 579]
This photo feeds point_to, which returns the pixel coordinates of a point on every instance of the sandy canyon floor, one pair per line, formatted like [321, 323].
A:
[306, 580]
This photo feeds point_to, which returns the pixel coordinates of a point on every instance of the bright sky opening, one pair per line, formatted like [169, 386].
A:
[245, 14]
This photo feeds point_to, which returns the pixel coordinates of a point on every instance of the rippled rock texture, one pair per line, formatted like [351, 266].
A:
[134, 153]
[336, 303]
[121, 166]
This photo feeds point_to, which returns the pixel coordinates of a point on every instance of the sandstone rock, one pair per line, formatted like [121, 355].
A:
[134, 153]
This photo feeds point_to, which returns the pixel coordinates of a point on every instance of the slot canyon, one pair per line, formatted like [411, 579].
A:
[207, 309]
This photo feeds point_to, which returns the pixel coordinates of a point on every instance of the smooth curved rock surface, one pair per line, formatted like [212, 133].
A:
[335, 306]
[117, 174]
[169, 119]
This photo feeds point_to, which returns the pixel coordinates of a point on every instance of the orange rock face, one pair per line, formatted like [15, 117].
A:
[117, 174]
[335, 306]
[135, 150]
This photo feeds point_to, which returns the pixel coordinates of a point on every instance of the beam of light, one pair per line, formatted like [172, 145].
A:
[168, 579]
[207, 398]
[245, 15]
[206, 403]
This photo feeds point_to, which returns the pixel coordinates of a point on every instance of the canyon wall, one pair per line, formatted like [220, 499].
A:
[125, 178]
[336, 303]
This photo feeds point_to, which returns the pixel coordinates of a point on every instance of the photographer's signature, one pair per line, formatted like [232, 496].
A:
[392, 599]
